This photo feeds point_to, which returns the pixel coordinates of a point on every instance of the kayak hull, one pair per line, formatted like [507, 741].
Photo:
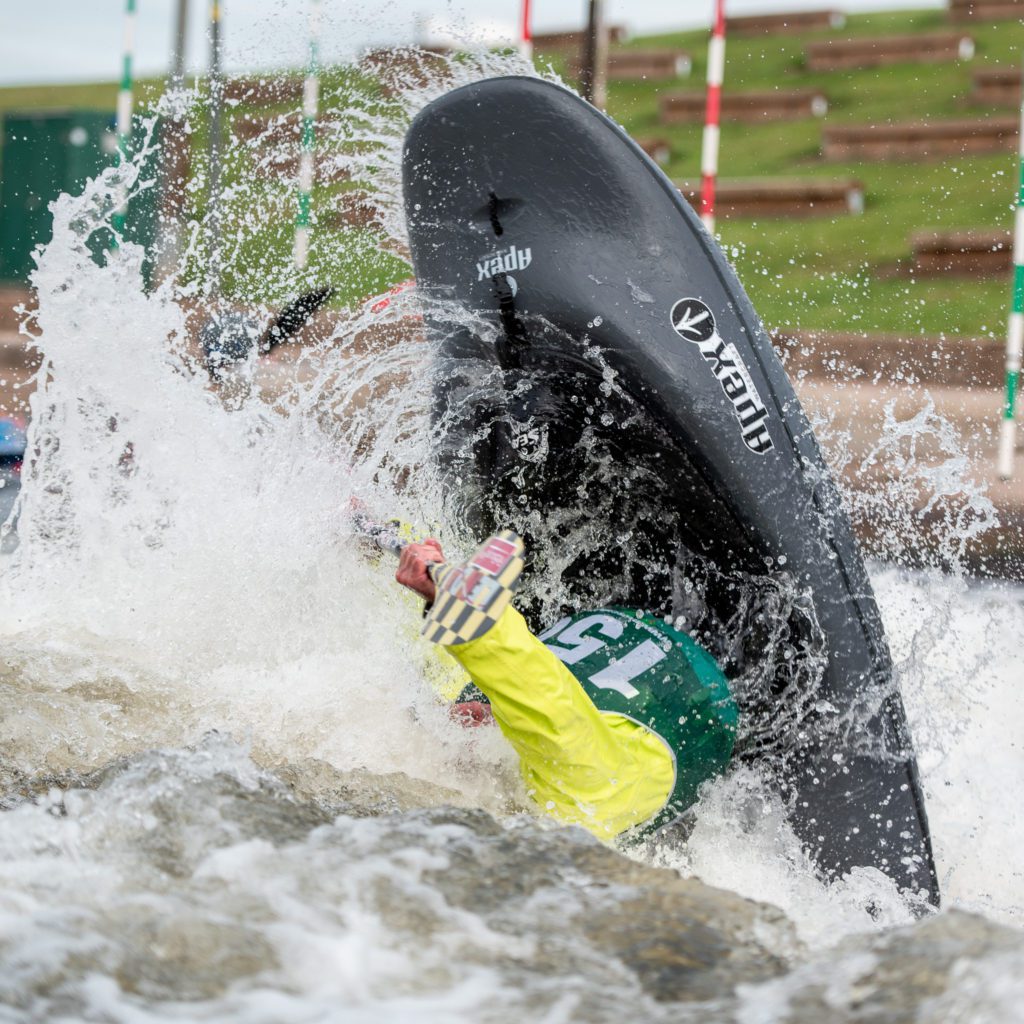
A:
[607, 388]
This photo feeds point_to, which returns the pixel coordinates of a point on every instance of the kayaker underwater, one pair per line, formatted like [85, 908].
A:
[617, 717]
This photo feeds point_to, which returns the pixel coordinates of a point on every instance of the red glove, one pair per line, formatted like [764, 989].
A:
[472, 713]
[412, 567]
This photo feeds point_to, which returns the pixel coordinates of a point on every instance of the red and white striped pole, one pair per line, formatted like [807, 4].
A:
[712, 116]
[525, 33]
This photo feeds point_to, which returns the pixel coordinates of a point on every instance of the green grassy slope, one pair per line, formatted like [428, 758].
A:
[87, 95]
[837, 272]
[841, 272]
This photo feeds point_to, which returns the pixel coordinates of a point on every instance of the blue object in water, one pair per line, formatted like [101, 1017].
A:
[12, 438]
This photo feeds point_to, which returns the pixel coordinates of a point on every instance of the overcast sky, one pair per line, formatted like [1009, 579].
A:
[80, 40]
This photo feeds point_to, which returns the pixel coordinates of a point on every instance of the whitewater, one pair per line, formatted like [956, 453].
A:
[229, 790]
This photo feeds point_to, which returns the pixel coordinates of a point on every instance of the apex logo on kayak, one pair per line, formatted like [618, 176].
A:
[694, 321]
[503, 262]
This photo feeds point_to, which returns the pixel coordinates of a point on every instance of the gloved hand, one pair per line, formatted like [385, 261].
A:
[472, 713]
[412, 567]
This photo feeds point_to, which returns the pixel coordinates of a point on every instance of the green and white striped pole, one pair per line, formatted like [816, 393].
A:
[124, 108]
[1015, 334]
[310, 102]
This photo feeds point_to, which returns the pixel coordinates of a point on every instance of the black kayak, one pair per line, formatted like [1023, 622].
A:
[606, 388]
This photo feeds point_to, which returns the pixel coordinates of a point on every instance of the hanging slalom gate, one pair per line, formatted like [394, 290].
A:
[712, 118]
[1015, 333]
[310, 105]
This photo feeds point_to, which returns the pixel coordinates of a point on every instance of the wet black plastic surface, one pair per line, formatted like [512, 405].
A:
[533, 210]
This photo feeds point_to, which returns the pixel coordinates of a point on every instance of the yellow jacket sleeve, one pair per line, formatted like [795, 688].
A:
[596, 769]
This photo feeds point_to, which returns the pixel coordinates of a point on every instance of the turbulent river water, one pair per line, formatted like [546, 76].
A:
[229, 791]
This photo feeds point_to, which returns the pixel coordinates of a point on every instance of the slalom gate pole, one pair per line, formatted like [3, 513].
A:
[124, 110]
[1015, 332]
[175, 155]
[216, 118]
[712, 118]
[310, 104]
[526, 33]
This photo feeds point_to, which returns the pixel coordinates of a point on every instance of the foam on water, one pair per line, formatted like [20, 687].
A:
[186, 582]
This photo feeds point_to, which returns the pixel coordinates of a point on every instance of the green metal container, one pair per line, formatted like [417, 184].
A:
[46, 153]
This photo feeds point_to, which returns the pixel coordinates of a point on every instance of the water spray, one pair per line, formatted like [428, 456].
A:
[124, 111]
[1015, 333]
[712, 118]
[310, 102]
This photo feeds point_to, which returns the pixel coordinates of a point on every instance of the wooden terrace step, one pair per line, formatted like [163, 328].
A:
[996, 87]
[780, 197]
[985, 10]
[873, 52]
[792, 21]
[264, 91]
[750, 106]
[573, 39]
[920, 140]
[967, 253]
[655, 65]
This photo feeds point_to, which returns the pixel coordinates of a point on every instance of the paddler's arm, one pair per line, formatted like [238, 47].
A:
[602, 771]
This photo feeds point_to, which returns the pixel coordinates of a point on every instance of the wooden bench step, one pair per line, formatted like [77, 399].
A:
[658, 149]
[919, 140]
[970, 252]
[355, 209]
[997, 88]
[656, 65]
[11, 297]
[769, 105]
[573, 39]
[281, 129]
[327, 170]
[269, 91]
[985, 10]
[403, 66]
[842, 54]
[780, 197]
[270, 130]
[856, 355]
[793, 21]
[16, 356]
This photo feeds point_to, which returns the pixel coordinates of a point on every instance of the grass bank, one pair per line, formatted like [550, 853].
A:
[842, 272]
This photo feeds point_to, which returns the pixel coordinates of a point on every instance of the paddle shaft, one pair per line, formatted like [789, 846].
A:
[387, 539]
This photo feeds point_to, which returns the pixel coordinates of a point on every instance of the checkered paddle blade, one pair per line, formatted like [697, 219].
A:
[471, 596]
